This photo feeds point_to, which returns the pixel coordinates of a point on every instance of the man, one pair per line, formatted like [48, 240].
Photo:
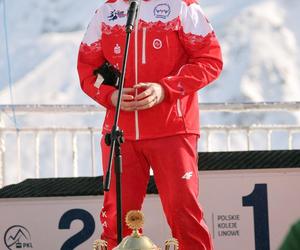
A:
[173, 53]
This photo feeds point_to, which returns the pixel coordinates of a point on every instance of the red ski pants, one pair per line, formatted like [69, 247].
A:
[174, 163]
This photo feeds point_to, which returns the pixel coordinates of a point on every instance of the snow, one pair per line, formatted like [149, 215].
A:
[43, 41]
[260, 41]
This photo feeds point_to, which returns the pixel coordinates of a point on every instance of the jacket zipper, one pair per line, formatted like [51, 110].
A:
[136, 114]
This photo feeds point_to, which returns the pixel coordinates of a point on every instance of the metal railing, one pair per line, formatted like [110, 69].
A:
[15, 167]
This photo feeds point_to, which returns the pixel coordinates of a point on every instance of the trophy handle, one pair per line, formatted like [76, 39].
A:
[100, 245]
[172, 242]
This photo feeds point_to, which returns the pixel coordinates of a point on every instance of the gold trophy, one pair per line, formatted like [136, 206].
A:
[100, 245]
[136, 241]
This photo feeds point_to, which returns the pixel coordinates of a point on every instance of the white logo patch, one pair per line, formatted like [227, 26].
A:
[99, 81]
[157, 44]
[187, 175]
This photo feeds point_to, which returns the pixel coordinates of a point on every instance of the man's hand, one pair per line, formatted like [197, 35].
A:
[151, 95]
[127, 103]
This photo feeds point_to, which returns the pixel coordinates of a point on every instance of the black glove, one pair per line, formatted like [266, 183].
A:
[109, 73]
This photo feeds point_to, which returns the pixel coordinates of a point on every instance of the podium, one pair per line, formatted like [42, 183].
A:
[250, 200]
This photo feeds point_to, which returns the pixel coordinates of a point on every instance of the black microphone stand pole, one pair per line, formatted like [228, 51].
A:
[116, 137]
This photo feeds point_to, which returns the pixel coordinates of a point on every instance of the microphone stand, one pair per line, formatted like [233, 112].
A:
[116, 137]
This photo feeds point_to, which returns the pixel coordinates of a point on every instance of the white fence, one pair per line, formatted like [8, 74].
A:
[63, 140]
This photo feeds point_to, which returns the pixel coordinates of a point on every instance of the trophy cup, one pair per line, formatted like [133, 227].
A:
[136, 241]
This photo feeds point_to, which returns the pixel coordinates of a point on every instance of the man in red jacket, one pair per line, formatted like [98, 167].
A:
[173, 53]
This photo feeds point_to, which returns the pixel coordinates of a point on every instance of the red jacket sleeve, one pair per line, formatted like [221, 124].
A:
[90, 57]
[204, 54]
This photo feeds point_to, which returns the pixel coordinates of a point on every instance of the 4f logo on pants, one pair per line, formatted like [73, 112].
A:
[187, 175]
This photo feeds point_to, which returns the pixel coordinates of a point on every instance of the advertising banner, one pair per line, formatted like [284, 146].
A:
[244, 209]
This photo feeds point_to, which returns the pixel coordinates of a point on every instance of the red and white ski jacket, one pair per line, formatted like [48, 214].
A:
[174, 45]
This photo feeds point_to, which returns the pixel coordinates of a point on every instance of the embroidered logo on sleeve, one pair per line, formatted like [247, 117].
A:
[115, 14]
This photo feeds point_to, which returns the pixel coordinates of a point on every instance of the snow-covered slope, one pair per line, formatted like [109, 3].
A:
[261, 49]
[43, 40]
[260, 41]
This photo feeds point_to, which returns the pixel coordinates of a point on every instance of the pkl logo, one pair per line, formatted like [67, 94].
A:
[162, 11]
[17, 237]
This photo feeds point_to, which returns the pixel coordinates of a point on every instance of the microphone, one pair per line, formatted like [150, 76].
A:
[131, 15]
